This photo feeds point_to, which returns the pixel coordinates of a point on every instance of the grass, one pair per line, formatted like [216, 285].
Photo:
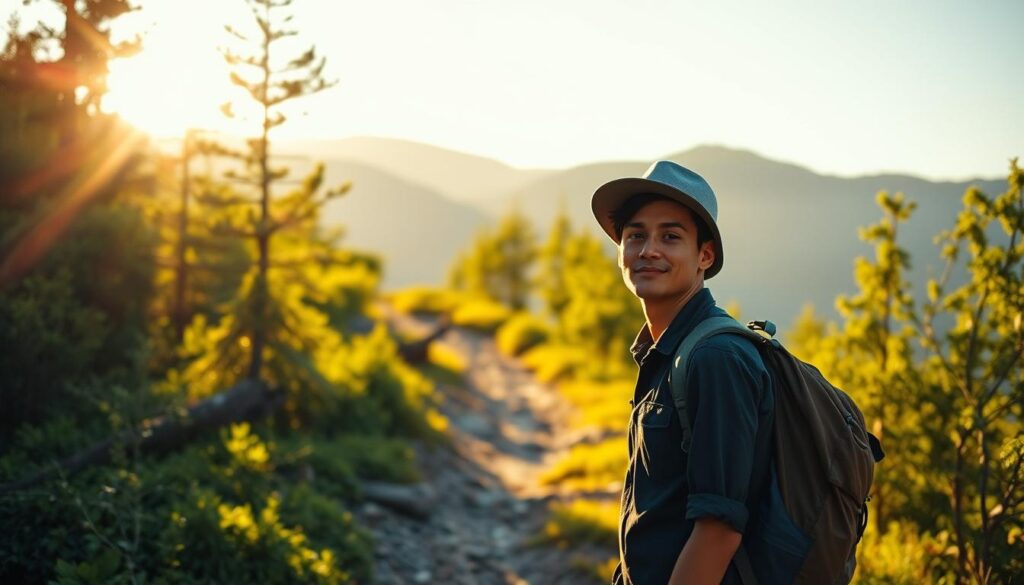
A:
[582, 521]
[520, 333]
[602, 405]
[481, 314]
[424, 299]
[552, 362]
[447, 358]
[590, 467]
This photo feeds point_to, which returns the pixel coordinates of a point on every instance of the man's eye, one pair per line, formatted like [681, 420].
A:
[671, 236]
[635, 236]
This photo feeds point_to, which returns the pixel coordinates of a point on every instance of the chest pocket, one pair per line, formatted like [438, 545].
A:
[654, 415]
[658, 452]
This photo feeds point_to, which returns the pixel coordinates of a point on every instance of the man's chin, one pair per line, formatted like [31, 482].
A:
[648, 293]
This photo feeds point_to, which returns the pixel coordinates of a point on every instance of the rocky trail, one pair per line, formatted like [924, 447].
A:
[482, 505]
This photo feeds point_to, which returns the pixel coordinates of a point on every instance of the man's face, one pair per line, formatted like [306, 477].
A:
[658, 253]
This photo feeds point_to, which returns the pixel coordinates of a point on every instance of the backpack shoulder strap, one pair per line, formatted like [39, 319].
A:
[681, 363]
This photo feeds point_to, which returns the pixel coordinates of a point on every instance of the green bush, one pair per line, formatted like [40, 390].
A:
[520, 333]
[589, 466]
[551, 362]
[425, 299]
[481, 314]
[375, 393]
[230, 508]
[582, 521]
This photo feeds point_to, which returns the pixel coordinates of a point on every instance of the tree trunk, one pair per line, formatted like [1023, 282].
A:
[181, 274]
[246, 401]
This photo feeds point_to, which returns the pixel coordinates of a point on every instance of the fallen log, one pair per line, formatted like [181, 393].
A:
[248, 400]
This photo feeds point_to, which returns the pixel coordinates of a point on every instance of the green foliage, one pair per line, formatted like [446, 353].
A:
[949, 495]
[601, 312]
[80, 315]
[481, 314]
[51, 340]
[552, 362]
[582, 521]
[601, 405]
[265, 502]
[550, 281]
[498, 265]
[975, 368]
[590, 466]
[874, 358]
[285, 223]
[520, 333]
[446, 362]
[425, 300]
[104, 569]
[901, 555]
[241, 505]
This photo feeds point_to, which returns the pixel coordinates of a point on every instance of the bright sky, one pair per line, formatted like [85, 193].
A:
[929, 87]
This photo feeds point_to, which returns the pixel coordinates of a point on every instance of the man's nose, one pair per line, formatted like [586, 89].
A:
[649, 249]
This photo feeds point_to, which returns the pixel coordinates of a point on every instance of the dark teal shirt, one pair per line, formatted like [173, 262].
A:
[731, 411]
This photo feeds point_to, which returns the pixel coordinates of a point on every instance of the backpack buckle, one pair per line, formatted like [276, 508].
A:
[766, 326]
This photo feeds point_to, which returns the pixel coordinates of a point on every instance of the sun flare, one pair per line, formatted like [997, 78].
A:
[179, 79]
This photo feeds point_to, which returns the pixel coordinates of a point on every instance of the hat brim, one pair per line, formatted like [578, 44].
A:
[614, 194]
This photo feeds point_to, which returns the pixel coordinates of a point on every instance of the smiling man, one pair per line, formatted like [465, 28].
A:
[684, 513]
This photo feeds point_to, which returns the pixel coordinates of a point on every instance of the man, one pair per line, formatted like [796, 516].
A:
[684, 514]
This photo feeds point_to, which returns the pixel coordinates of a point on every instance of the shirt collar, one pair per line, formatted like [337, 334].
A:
[684, 322]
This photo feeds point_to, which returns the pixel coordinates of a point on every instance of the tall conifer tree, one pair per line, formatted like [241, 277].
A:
[271, 82]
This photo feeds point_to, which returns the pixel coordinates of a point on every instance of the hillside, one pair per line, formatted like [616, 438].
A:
[414, 229]
[458, 176]
[790, 233]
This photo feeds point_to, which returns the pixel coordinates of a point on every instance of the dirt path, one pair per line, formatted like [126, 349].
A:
[487, 503]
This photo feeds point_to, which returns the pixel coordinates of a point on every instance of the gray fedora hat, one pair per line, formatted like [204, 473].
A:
[670, 180]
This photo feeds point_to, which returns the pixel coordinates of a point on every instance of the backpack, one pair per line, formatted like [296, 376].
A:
[813, 511]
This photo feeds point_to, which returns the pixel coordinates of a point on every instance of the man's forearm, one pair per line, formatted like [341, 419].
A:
[706, 555]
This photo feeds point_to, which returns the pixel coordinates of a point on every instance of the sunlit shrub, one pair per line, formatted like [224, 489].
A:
[368, 457]
[901, 556]
[520, 333]
[246, 448]
[374, 392]
[601, 405]
[590, 467]
[582, 521]
[210, 539]
[551, 362]
[425, 299]
[446, 357]
[481, 314]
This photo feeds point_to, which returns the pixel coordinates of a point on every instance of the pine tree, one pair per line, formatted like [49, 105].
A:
[875, 352]
[499, 263]
[600, 312]
[976, 364]
[551, 285]
[269, 86]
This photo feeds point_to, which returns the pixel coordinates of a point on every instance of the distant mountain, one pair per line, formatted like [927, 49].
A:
[790, 235]
[415, 230]
[458, 176]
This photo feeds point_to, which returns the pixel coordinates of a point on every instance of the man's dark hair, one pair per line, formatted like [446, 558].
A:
[625, 212]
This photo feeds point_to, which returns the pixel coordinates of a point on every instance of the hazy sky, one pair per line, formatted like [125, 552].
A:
[930, 87]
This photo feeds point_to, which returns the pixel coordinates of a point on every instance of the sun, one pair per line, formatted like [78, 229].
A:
[178, 80]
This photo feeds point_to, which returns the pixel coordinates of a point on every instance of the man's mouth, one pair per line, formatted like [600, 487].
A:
[648, 270]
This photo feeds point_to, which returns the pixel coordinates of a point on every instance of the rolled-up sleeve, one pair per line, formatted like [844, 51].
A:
[725, 392]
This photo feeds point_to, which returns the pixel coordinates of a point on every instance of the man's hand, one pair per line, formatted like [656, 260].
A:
[706, 555]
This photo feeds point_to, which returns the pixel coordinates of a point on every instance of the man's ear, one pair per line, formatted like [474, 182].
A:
[707, 255]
